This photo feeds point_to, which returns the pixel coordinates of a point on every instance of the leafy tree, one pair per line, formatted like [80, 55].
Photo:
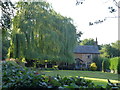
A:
[78, 36]
[112, 50]
[5, 46]
[7, 8]
[105, 51]
[116, 45]
[39, 33]
[88, 42]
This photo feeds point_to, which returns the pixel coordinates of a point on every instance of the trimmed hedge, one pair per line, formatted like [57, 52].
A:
[105, 65]
[114, 66]
[98, 61]
[118, 67]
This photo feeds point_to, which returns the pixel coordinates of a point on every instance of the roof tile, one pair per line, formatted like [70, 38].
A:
[87, 49]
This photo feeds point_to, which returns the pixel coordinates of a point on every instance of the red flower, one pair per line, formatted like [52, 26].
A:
[37, 73]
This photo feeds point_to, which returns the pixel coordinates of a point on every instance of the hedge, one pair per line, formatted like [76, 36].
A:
[114, 66]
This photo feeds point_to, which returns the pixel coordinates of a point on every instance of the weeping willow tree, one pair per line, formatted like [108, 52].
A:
[39, 33]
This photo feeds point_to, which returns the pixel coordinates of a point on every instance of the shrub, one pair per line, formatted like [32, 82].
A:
[16, 77]
[93, 66]
[98, 61]
[118, 67]
[114, 64]
[105, 65]
[55, 67]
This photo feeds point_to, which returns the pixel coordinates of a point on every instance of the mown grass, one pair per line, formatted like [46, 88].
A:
[99, 78]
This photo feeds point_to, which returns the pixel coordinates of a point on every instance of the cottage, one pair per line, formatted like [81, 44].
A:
[84, 55]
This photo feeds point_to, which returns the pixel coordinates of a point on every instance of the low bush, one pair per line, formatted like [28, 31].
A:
[93, 67]
[17, 77]
[55, 67]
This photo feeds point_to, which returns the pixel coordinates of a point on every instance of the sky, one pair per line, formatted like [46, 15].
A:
[90, 11]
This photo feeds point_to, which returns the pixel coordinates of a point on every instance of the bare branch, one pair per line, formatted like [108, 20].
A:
[116, 3]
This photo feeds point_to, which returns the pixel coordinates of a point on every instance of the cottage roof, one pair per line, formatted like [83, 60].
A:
[87, 49]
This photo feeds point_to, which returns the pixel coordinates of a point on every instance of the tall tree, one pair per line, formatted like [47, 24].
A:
[105, 50]
[110, 50]
[116, 45]
[39, 33]
[7, 9]
[78, 36]
[88, 42]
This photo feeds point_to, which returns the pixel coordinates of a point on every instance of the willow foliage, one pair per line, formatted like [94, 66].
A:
[39, 33]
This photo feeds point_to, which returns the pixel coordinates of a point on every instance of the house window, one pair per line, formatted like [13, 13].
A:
[89, 56]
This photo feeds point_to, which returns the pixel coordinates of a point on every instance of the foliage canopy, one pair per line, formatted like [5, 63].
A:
[39, 33]
[110, 50]
[89, 41]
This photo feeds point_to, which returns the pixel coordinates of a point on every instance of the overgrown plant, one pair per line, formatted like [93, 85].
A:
[16, 77]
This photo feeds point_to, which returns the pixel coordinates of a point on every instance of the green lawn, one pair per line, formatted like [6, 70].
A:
[96, 76]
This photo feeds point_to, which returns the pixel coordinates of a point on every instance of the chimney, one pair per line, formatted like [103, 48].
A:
[96, 42]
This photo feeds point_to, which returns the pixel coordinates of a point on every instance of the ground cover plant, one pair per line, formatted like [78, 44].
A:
[99, 78]
[15, 77]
